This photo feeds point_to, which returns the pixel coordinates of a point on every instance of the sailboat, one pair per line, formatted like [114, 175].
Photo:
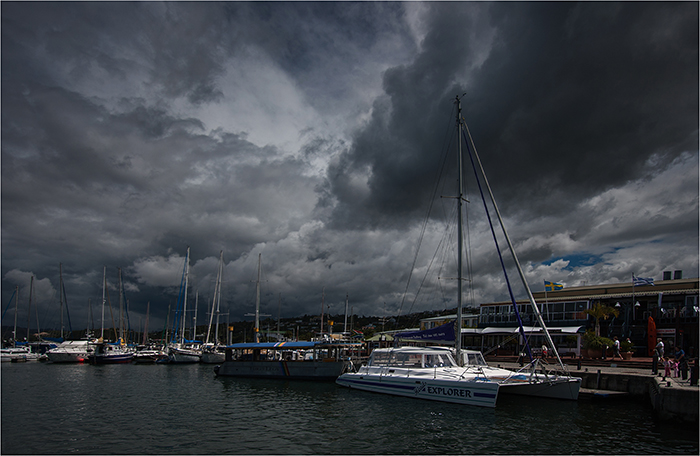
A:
[180, 351]
[214, 353]
[69, 351]
[398, 370]
[106, 352]
[536, 378]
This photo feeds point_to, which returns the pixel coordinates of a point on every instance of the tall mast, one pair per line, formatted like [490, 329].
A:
[345, 323]
[257, 303]
[214, 306]
[29, 310]
[60, 293]
[14, 334]
[323, 297]
[104, 287]
[145, 328]
[279, 313]
[184, 306]
[218, 297]
[458, 329]
[121, 308]
[194, 321]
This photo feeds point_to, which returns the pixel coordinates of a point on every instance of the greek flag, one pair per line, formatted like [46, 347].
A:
[641, 281]
[552, 286]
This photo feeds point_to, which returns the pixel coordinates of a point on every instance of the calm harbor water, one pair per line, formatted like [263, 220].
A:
[185, 409]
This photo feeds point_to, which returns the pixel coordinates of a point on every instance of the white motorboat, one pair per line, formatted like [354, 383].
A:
[70, 351]
[184, 354]
[150, 355]
[18, 354]
[424, 373]
[533, 379]
[213, 354]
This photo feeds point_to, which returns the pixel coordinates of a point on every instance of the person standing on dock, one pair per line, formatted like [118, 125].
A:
[658, 356]
[616, 348]
[682, 361]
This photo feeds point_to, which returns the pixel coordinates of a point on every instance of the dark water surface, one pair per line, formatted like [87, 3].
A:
[185, 409]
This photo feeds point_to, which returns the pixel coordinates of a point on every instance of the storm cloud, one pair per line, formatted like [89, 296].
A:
[312, 133]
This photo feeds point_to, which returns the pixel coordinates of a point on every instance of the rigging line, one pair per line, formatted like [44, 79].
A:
[493, 232]
[65, 300]
[180, 298]
[8, 304]
[425, 222]
[427, 272]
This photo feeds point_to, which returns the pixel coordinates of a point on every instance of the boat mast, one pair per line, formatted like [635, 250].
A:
[121, 309]
[218, 297]
[458, 329]
[29, 310]
[104, 287]
[257, 302]
[145, 328]
[531, 298]
[214, 307]
[184, 306]
[14, 334]
[194, 321]
[60, 295]
[345, 323]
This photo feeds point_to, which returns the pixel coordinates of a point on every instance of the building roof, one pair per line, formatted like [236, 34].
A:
[614, 291]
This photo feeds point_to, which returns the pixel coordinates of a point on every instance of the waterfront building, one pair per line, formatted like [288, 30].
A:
[672, 303]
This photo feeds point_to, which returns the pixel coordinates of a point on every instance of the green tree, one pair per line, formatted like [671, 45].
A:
[599, 311]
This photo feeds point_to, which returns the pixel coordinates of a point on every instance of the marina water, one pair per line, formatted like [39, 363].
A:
[184, 409]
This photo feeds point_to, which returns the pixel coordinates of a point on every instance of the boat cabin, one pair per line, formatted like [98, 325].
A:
[289, 351]
[412, 357]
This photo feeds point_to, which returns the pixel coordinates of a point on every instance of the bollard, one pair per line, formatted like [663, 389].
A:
[597, 383]
[694, 374]
[578, 366]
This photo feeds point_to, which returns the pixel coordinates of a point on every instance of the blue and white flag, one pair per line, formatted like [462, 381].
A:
[552, 286]
[641, 281]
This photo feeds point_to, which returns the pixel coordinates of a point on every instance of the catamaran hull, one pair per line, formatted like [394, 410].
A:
[560, 388]
[302, 370]
[482, 394]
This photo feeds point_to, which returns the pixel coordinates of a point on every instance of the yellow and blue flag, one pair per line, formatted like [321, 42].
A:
[552, 286]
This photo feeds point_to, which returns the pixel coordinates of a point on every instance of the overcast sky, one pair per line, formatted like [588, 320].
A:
[312, 133]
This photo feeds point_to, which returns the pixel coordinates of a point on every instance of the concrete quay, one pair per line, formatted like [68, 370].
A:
[672, 398]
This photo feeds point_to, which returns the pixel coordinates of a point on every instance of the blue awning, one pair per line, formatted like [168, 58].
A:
[441, 334]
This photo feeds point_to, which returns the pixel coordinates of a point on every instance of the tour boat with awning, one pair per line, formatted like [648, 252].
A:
[314, 360]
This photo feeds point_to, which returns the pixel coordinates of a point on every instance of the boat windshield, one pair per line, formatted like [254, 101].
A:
[475, 359]
[410, 360]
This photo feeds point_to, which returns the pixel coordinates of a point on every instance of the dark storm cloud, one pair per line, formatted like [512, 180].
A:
[312, 133]
[573, 99]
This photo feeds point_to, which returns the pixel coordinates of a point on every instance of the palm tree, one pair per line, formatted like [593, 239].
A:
[599, 311]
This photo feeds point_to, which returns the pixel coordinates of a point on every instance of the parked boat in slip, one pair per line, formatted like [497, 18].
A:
[302, 360]
[423, 373]
[70, 351]
[110, 353]
[18, 354]
[408, 371]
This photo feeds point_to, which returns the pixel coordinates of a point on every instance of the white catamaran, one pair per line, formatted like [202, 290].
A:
[402, 371]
